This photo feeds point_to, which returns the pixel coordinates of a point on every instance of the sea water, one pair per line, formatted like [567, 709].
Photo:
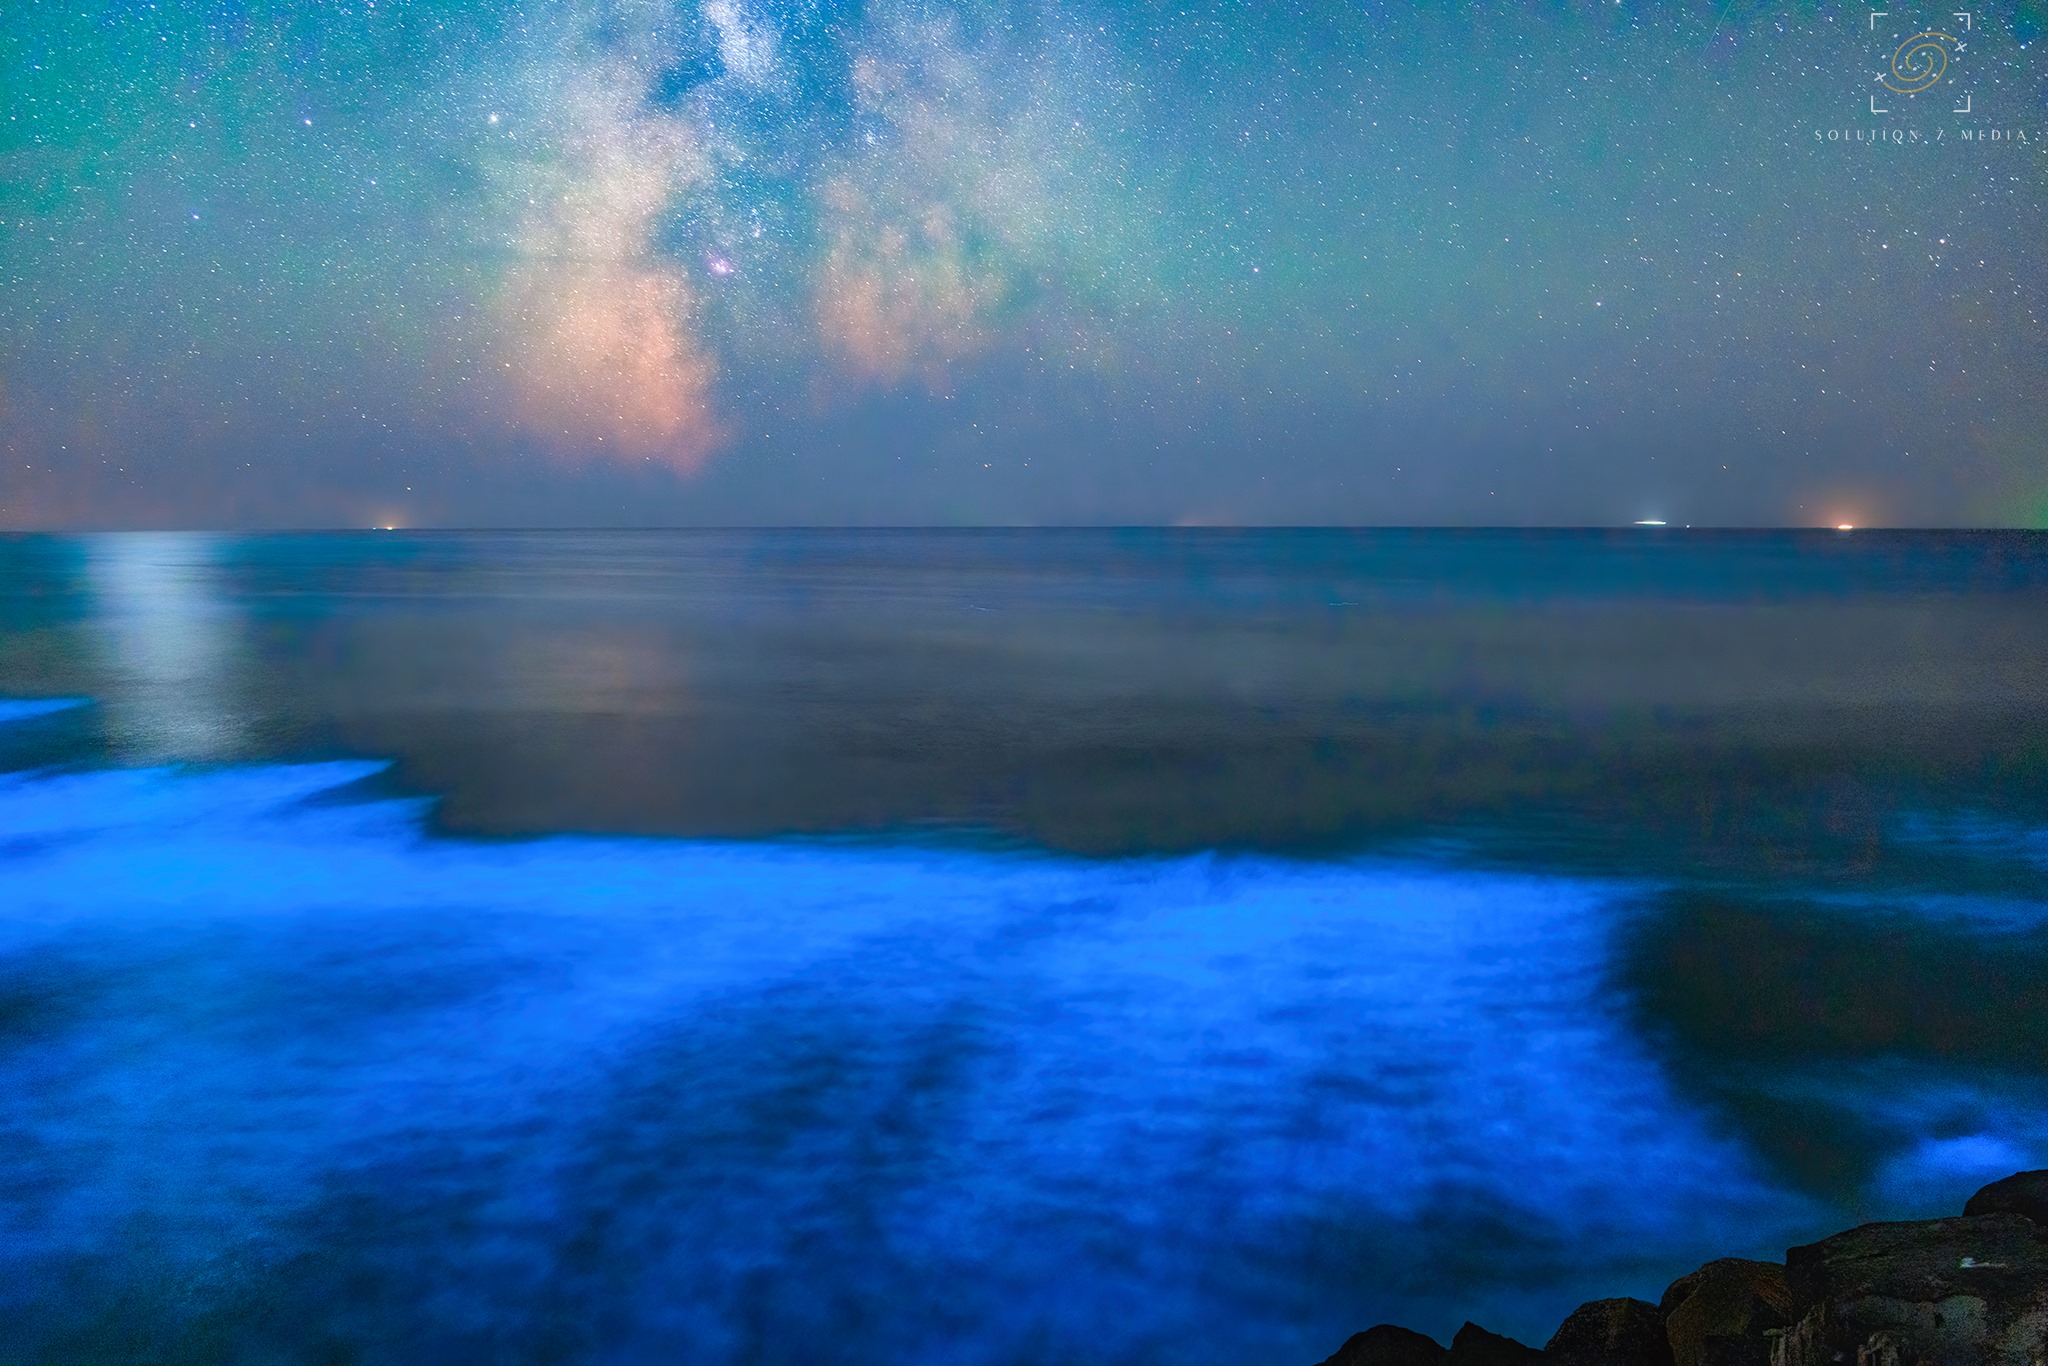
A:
[992, 947]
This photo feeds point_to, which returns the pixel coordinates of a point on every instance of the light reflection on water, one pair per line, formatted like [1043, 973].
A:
[169, 634]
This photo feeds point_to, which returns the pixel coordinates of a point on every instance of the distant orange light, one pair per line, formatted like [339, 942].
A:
[1845, 527]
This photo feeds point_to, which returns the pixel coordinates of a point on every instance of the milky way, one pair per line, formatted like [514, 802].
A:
[424, 261]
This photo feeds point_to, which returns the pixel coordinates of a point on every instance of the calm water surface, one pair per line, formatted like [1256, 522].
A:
[998, 947]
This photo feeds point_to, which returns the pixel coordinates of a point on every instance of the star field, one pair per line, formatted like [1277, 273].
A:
[428, 262]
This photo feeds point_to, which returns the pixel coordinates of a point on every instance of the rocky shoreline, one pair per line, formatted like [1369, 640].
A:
[1967, 1291]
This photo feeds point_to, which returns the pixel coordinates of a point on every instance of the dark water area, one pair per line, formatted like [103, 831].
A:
[1082, 946]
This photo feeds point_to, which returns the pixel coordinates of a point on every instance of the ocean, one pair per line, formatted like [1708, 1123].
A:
[1091, 946]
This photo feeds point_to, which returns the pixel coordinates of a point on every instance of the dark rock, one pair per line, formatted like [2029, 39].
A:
[2026, 1193]
[1990, 1256]
[1720, 1314]
[1621, 1332]
[1766, 1278]
[1388, 1345]
[1973, 1290]
[1474, 1346]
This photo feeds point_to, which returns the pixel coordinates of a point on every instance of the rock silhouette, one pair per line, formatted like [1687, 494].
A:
[1718, 1315]
[1621, 1332]
[1474, 1346]
[2026, 1193]
[1973, 1289]
[1964, 1291]
[1387, 1345]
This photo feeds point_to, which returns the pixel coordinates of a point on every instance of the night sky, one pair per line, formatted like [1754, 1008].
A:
[460, 262]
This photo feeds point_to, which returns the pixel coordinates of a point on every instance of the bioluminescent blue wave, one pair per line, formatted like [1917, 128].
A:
[23, 709]
[286, 1071]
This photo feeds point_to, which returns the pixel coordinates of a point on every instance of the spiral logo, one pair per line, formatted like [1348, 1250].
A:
[1919, 62]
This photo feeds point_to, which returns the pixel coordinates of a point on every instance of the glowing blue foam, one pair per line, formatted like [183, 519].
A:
[24, 709]
[265, 1057]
